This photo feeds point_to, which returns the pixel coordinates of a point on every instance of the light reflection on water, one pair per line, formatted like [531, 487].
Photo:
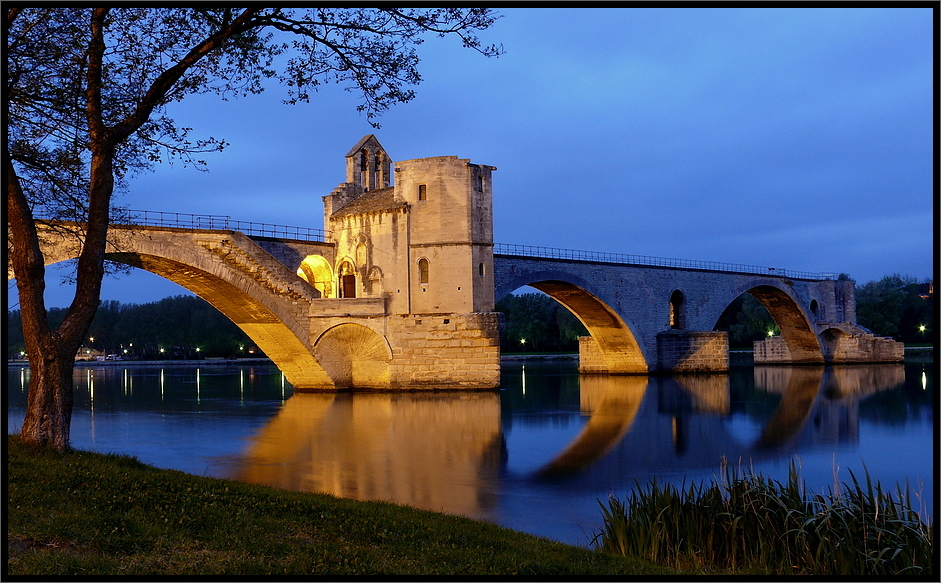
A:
[536, 456]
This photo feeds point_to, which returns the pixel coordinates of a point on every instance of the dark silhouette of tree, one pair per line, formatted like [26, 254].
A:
[898, 306]
[86, 91]
[537, 323]
[746, 321]
[188, 325]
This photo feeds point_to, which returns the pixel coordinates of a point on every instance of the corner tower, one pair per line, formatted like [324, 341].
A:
[450, 248]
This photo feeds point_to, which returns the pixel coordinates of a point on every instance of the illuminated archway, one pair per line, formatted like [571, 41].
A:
[213, 268]
[613, 343]
[677, 310]
[796, 328]
[316, 270]
[267, 329]
[346, 282]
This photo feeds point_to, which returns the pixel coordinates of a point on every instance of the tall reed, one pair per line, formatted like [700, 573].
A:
[746, 522]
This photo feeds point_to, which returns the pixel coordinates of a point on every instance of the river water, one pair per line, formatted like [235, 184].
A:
[537, 456]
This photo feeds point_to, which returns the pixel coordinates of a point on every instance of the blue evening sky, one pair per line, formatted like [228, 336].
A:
[794, 138]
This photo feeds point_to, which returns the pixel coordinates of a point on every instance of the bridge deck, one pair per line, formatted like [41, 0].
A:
[226, 223]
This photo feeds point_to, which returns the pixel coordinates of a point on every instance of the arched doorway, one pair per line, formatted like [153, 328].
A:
[347, 280]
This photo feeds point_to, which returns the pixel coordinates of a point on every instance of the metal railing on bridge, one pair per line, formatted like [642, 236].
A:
[226, 223]
[644, 260]
[219, 223]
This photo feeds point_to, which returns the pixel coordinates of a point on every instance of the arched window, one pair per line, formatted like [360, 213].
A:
[677, 315]
[480, 270]
[422, 271]
[815, 309]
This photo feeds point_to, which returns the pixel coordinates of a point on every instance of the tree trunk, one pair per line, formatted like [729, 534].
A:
[49, 405]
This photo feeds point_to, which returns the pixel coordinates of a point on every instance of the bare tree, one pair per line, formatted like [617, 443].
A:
[86, 96]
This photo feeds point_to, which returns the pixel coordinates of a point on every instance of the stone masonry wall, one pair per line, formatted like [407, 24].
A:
[589, 356]
[689, 351]
[450, 351]
[771, 350]
[867, 348]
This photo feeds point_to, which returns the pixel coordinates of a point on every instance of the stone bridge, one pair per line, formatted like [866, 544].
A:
[660, 315]
[399, 291]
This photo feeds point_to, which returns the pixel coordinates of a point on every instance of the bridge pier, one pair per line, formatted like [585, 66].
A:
[677, 351]
[839, 344]
[681, 351]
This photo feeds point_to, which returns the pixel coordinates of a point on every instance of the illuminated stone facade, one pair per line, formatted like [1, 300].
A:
[422, 251]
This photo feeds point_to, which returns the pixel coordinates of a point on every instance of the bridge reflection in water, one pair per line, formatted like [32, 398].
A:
[446, 452]
[439, 452]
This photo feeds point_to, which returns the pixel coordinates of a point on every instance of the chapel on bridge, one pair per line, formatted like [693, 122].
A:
[418, 233]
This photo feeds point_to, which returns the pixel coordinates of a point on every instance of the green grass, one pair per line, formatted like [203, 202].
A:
[751, 524]
[82, 513]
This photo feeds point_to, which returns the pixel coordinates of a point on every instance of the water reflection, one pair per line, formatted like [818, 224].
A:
[612, 403]
[438, 452]
[444, 452]
[535, 456]
[829, 396]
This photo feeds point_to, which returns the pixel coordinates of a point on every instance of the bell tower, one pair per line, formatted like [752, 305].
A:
[367, 164]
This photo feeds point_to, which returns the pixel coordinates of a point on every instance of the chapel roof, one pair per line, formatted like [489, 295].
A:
[362, 142]
[380, 199]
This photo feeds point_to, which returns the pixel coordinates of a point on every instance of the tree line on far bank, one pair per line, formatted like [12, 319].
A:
[188, 327]
[177, 327]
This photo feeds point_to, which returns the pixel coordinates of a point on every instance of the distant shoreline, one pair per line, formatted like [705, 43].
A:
[224, 361]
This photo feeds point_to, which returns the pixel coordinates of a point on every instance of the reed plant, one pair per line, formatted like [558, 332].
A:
[745, 522]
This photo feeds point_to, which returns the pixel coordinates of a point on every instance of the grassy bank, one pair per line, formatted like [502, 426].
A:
[89, 514]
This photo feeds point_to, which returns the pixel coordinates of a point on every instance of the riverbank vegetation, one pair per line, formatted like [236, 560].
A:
[751, 523]
[81, 513]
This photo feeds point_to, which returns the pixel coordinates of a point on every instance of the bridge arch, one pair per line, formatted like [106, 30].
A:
[215, 266]
[354, 356]
[787, 310]
[619, 349]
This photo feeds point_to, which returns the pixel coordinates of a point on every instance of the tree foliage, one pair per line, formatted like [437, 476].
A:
[183, 326]
[898, 306]
[746, 320]
[86, 95]
[537, 323]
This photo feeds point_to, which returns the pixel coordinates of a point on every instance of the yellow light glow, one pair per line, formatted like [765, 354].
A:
[921, 328]
[770, 332]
